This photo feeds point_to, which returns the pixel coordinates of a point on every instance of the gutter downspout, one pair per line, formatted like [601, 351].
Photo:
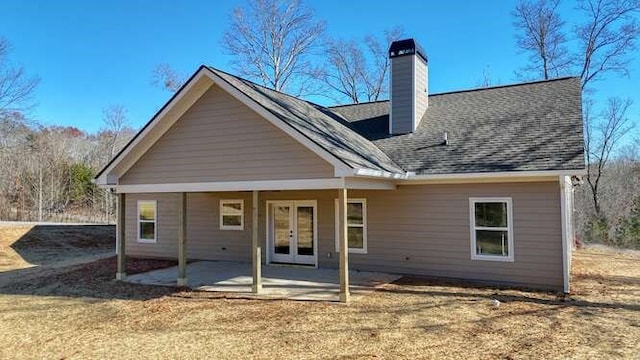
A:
[566, 246]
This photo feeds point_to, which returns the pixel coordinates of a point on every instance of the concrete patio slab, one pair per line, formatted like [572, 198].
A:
[278, 281]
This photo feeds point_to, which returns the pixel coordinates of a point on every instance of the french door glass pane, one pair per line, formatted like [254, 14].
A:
[281, 226]
[490, 242]
[305, 230]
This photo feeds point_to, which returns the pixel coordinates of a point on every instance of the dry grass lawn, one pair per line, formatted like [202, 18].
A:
[82, 313]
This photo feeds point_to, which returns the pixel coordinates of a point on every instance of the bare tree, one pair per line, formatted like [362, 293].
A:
[358, 71]
[271, 40]
[343, 73]
[165, 77]
[376, 77]
[607, 38]
[115, 120]
[16, 89]
[604, 40]
[601, 137]
[486, 80]
[541, 35]
[601, 44]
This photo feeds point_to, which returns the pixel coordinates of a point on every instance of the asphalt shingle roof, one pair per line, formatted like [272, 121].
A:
[527, 127]
[322, 126]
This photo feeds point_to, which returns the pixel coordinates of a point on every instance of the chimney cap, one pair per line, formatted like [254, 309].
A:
[406, 47]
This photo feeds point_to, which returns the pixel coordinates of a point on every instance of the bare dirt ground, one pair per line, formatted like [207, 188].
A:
[81, 312]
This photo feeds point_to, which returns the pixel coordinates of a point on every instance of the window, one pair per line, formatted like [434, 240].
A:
[491, 229]
[147, 216]
[231, 214]
[356, 226]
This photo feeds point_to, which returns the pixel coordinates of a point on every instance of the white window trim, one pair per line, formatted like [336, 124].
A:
[364, 226]
[231, 201]
[155, 222]
[509, 228]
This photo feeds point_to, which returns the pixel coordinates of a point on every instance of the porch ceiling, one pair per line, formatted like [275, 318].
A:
[301, 184]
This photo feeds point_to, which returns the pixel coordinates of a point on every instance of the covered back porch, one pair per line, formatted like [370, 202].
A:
[259, 206]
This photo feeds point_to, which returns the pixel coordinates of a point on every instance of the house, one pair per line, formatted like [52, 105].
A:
[473, 184]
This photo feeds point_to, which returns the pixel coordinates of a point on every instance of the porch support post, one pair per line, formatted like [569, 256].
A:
[344, 245]
[121, 272]
[255, 246]
[182, 240]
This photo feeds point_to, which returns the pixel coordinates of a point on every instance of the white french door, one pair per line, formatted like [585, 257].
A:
[292, 232]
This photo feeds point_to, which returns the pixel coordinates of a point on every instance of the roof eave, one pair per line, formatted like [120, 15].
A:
[535, 175]
[382, 174]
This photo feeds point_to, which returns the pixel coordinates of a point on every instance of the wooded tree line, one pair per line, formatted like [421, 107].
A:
[283, 45]
[607, 205]
[47, 170]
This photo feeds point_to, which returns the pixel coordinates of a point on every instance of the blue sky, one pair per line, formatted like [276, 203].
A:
[92, 54]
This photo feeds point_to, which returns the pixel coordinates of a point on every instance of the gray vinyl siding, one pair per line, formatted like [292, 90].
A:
[402, 96]
[422, 100]
[205, 240]
[425, 230]
[221, 139]
[421, 230]
[166, 245]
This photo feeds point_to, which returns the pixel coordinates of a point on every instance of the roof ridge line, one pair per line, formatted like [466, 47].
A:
[507, 85]
[468, 90]
[355, 104]
[266, 87]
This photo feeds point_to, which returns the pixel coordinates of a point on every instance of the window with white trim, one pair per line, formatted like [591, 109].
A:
[147, 221]
[491, 229]
[231, 214]
[356, 226]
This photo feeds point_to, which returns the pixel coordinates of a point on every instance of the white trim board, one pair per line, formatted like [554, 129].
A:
[364, 182]
[297, 184]
[155, 222]
[504, 176]
[414, 99]
[293, 217]
[336, 239]
[510, 257]
[221, 214]
[308, 184]
[565, 188]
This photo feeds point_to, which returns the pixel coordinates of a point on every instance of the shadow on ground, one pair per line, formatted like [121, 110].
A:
[68, 260]
[50, 244]
[94, 279]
